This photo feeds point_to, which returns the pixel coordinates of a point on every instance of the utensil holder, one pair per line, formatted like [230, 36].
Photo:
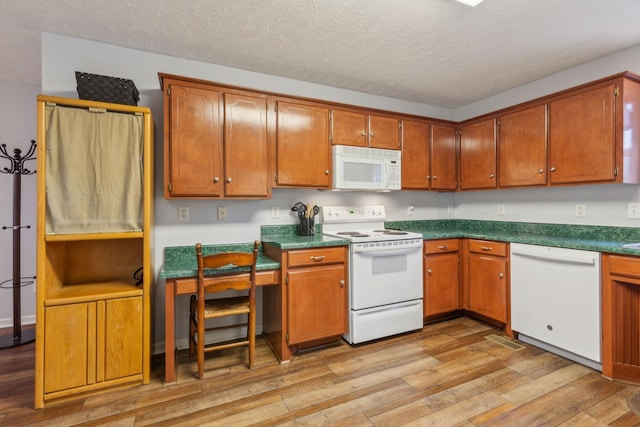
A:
[306, 227]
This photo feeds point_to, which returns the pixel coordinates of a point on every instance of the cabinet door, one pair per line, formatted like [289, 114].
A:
[195, 142]
[582, 137]
[441, 283]
[349, 128]
[303, 153]
[245, 146]
[121, 322]
[488, 286]
[443, 158]
[384, 132]
[415, 155]
[317, 304]
[69, 348]
[478, 155]
[523, 147]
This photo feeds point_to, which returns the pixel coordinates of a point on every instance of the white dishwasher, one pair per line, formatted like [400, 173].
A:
[555, 300]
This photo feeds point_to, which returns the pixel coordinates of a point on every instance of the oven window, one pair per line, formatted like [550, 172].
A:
[389, 264]
[362, 172]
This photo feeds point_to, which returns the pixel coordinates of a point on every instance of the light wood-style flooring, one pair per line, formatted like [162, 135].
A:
[448, 374]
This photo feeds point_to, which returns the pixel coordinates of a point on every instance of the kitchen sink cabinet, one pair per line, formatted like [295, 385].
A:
[590, 133]
[486, 280]
[302, 145]
[621, 317]
[216, 141]
[478, 155]
[93, 303]
[310, 306]
[522, 149]
[441, 273]
[361, 129]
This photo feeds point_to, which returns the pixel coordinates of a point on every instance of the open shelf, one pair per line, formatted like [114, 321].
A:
[93, 236]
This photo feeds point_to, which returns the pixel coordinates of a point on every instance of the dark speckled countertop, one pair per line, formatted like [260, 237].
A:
[586, 237]
[180, 261]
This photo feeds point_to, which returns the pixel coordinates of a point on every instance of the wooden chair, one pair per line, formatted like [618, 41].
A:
[203, 309]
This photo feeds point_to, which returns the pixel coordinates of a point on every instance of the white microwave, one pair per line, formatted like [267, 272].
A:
[369, 169]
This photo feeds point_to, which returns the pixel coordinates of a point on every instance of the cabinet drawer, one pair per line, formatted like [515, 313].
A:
[317, 256]
[440, 246]
[624, 266]
[488, 247]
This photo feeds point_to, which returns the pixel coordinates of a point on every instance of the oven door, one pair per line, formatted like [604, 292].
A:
[385, 274]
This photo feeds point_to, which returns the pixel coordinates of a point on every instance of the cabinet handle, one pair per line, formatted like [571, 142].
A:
[342, 283]
[435, 177]
[491, 175]
[552, 169]
[229, 180]
[216, 179]
[501, 275]
[443, 247]
[429, 271]
[326, 172]
[428, 177]
[486, 248]
[363, 133]
[373, 134]
[540, 170]
[316, 258]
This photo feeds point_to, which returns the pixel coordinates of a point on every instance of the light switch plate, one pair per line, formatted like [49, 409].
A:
[183, 213]
[633, 211]
[222, 213]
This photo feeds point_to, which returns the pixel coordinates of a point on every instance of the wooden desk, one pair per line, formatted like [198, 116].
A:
[188, 286]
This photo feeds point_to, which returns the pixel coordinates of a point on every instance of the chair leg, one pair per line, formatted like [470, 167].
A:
[200, 345]
[251, 331]
[192, 325]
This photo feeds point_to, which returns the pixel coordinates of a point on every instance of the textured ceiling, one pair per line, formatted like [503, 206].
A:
[437, 52]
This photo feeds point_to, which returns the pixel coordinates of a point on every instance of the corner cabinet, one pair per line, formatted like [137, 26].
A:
[310, 306]
[94, 266]
[216, 142]
[441, 277]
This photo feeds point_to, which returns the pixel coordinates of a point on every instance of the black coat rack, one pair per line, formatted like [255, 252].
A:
[17, 169]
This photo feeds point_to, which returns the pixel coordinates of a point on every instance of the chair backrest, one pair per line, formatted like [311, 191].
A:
[224, 259]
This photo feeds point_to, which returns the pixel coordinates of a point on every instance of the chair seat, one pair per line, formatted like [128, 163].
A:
[226, 306]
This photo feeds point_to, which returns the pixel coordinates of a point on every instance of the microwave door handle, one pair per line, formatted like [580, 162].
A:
[385, 167]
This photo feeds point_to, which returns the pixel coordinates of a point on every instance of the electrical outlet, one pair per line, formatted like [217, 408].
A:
[633, 211]
[501, 210]
[449, 208]
[411, 210]
[581, 211]
[222, 213]
[275, 212]
[183, 213]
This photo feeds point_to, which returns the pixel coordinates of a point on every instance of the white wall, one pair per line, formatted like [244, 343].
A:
[61, 56]
[17, 129]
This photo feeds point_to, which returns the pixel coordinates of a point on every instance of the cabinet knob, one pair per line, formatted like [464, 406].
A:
[373, 134]
[552, 169]
[501, 275]
[229, 180]
[428, 177]
[540, 170]
[435, 177]
[342, 283]
[326, 172]
[363, 133]
[491, 175]
[429, 271]
[216, 179]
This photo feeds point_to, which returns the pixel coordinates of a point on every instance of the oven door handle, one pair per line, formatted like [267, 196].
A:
[376, 251]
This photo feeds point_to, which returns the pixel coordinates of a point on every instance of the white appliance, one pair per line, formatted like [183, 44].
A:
[385, 272]
[555, 300]
[371, 169]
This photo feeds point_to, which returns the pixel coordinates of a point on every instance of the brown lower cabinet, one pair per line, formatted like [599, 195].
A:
[441, 271]
[310, 306]
[621, 317]
[486, 281]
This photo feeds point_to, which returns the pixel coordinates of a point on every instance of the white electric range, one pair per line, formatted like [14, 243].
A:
[385, 272]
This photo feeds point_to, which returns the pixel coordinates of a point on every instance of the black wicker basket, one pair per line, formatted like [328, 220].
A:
[95, 87]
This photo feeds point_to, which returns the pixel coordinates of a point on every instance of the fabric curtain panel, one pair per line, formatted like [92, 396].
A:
[94, 171]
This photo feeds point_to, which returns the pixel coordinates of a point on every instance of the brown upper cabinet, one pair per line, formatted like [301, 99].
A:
[478, 155]
[522, 147]
[590, 137]
[443, 158]
[360, 129]
[216, 141]
[302, 145]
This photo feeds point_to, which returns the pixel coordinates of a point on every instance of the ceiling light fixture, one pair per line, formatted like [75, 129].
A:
[472, 3]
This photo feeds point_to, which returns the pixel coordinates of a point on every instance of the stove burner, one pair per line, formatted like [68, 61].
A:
[391, 232]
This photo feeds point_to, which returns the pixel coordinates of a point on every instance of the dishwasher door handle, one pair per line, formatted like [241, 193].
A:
[554, 257]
